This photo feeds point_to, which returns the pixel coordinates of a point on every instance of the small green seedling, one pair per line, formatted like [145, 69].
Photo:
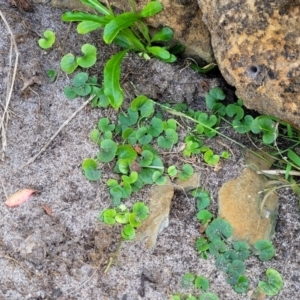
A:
[108, 150]
[202, 198]
[186, 172]
[242, 284]
[129, 220]
[89, 58]
[273, 285]
[199, 282]
[90, 168]
[172, 171]
[169, 139]
[48, 40]
[70, 62]
[267, 127]
[82, 86]
[204, 216]
[212, 100]
[208, 296]
[52, 74]
[188, 280]
[264, 249]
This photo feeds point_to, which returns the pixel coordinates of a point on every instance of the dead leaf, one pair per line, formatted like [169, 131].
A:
[181, 147]
[138, 149]
[202, 228]
[19, 197]
[47, 209]
[135, 167]
[28, 82]
[218, 166]
[24, 4]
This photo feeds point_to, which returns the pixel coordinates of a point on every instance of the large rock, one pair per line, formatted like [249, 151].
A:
[183, 16]
[245, 204]
[257, 47]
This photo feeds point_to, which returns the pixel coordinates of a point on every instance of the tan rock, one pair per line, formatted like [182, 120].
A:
[184, 19]
[190, 184]
[158, 219]
[257, 47]
[251, 212]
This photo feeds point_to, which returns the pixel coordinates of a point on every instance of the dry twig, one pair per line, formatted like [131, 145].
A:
[18, 263]
[31, 160]
[10, 84]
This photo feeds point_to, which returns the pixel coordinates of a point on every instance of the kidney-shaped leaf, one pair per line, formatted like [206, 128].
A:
[89, 58]
[89, 167]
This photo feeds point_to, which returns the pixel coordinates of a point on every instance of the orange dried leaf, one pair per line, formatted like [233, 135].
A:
[19, 197]
[47, 209]
[138, 149]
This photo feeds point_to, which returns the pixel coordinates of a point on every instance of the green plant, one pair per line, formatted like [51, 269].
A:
[128, 219]
[127, 30]
[127, 144]
[69, 62]
[89, 167]
[198, 282]
[52, 74]
[229, 255]
[272, 285]
[48, 40]
[82, 85]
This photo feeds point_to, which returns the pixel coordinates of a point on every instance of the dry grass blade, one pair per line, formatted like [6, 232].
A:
[10, 84]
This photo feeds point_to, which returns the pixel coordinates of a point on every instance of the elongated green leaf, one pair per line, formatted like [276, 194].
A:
[127, 39]
[112, 71]
[159, 52]
[88, 26]
[81, 16]
[294, 157]
[151, 9]
[117, 24]
[165, 34]
[205, 69]
[98, 6]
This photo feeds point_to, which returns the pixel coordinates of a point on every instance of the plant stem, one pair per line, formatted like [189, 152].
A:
[111, 260]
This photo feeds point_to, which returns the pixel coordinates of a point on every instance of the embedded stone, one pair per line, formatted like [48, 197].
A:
[158, 219]
[246, 204]
[257, 48]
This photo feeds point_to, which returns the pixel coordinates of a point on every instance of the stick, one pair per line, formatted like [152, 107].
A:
[31, 160]
[10, 258]
[10, 89]
[277, 172]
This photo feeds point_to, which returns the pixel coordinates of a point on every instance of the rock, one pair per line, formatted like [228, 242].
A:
[257, 47]
[240, 203]
[183, 16]
[158, 219]
[190, 184]
[159, 207]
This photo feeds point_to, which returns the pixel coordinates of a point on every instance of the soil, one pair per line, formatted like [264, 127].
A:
[63, 255]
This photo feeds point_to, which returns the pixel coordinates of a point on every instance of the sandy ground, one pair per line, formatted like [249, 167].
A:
[63, 255]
